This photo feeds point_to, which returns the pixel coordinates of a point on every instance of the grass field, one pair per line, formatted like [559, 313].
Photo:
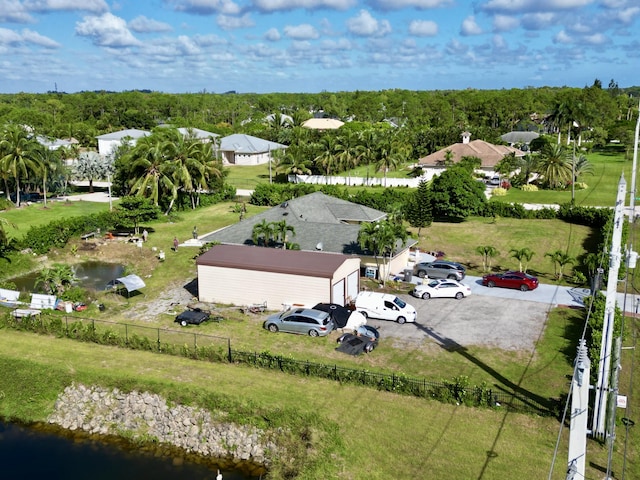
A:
[400, 437]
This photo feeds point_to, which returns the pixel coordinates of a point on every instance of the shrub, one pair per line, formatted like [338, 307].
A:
[529, 188]
[499, 192]
[581, 186]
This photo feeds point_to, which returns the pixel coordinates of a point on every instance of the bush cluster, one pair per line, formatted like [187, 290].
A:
[456, 391]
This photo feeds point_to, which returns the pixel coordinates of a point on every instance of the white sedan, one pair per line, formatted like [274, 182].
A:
[441, 288]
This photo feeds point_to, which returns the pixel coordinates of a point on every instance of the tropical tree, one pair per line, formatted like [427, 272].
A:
[418, 210]
[487, 252]
[553, 166]
[92, 166]
[381, 239]
[48, 162]
[151, 175]
[132, 210]
[328, 159]
[457, 194]
[262, 232]
[16, 156]
[281, 229]
[56, 279]
[560, 259]
[523, 255]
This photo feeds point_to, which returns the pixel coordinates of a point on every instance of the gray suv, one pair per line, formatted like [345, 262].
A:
[440, 269]
[306, 321]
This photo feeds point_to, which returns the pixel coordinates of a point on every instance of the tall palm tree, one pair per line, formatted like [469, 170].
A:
[281, 229]
[328, 159]
[152, 176]
[48, 162]
[17, 148]
[381, 239]
[262, 231]
[487, 252]
[560, 259]
[523, 255]
[553, 165]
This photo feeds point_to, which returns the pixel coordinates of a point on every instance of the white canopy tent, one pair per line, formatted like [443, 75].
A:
[130, 283]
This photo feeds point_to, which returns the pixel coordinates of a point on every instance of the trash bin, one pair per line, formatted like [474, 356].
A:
[408, 275]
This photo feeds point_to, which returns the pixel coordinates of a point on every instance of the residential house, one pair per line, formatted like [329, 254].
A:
[240, 149]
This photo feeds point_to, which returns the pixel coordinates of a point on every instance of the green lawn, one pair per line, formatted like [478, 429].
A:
[602, 185]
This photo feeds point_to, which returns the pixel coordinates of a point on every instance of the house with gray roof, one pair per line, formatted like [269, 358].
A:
[321, 223]
[240, 149]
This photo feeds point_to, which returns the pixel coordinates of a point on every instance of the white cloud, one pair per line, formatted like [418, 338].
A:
[186, 46]
[499, 42]
[364, 25]
[301, 32]
[423, 28]
[107, 30]
[207, 7]
[505, 23]
[595, 39]
[470, 27]
[528, 6]
[143, 24]
[272, 35]
[284, 5]
[562, 37]
[93, 6]
[12, 11]
[402, 4]
[9, 37]
[340, 45]
[30, 36]
[538, 21]
[231, 23]
[208, 40]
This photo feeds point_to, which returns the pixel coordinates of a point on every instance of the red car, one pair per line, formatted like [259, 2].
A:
[519, 280]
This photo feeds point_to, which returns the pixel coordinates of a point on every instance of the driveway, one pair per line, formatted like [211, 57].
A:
[492, 317]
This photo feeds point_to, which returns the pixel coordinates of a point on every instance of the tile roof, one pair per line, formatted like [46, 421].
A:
[488, 153]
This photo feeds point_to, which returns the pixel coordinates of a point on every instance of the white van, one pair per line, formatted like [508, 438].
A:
[385, 306]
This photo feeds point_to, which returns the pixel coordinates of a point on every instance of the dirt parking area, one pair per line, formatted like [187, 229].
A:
[477, 320]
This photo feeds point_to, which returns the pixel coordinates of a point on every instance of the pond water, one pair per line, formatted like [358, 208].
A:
[91, 275]
[28, 453]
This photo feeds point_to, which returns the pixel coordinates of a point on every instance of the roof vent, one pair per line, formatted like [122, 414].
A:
[319, 246]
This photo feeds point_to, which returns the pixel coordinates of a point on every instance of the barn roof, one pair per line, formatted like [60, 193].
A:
[264, 259]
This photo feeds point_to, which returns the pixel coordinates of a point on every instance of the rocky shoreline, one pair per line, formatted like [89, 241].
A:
[143, 416]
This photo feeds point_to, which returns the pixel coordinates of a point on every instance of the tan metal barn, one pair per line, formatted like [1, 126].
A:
[241, 275]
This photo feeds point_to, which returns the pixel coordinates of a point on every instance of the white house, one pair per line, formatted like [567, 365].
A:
[109, 142]
[239, 149]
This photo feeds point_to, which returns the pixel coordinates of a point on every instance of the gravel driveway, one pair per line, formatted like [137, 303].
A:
[492, 317]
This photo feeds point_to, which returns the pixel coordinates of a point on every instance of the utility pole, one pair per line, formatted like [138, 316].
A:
[579, 414]
[604, 365]
[632, 214]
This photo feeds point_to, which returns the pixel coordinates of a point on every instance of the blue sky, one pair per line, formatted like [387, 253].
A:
[263, 46]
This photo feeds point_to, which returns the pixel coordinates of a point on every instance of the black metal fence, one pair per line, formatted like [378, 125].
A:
[213, 348]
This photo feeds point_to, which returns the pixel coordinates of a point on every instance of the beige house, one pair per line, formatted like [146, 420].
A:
[241, 275]
[488, 153]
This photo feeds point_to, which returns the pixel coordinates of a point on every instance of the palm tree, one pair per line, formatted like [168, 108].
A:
[152, 176]
[56, 279]
[559, 259]
[381, 239]
[487, 252]
[48, 162]
[328, 158]
[281, 229]
[553, 165]
[580, 166]
[523, 255]
[16, 148]
[262, 231]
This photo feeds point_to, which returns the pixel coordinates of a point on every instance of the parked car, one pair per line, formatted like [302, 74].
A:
[339, 314]
[441, 288]
[363, 339]
[385, 306]
[440, 269]
[519, 280]
[192, 317]
[305, 321]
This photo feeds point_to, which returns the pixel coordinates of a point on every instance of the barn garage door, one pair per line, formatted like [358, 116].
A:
[337, 292]
[352, 285]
